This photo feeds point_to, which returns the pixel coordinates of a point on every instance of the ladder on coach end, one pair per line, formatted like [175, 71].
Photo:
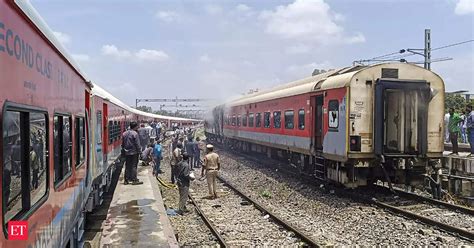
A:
[319, 167]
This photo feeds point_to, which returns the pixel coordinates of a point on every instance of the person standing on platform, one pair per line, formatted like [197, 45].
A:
[176, 157]
[144, 135]
[211, 168]
[131, 149]
[157, 157]
[454, 130]
[35, 164]
[470, 128]
[183, 178]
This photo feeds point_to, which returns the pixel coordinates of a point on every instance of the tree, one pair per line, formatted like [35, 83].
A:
[455, 101]
[145, 109]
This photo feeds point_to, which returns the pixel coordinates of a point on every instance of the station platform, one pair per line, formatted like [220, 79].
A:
[460, 163]
[137, 216]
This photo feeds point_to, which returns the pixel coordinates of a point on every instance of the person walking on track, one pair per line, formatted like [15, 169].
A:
[131, 149]
[211, 168]
[176, 157]
[183, 178]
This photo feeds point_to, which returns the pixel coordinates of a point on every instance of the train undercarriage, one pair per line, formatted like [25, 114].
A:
[408, 171]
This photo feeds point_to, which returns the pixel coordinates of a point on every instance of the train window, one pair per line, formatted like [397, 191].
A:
[333, 113]
[251, 120]
[111, 132]
[266, 119]
[258, 120]
[289, 119]
[277, 119]
[234, 120]
[80, 141]
[244, 120]
[38, 157]
[62, 147]
[301, 119]
[25, 170]
[238, 120]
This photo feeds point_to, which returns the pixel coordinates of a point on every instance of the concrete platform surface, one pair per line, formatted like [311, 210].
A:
[137, 217]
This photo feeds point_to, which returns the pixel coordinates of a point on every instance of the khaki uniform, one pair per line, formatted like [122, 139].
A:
[211, 163]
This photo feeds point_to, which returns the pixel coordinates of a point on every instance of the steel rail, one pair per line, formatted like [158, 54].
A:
[448, 228]
[417, 197]
[363, 198]
[308, 240]
[209, 224]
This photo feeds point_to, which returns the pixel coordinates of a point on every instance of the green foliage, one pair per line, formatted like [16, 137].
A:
[266, 194]
[455, 101]
[145, 109]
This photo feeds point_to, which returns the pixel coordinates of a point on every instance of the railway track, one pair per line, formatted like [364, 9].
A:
[450, 218]
[447, 217]
[253, 219]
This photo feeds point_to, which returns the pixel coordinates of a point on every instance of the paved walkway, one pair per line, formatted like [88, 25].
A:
[137, 217]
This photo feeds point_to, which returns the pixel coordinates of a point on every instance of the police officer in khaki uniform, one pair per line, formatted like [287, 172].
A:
[212, 167]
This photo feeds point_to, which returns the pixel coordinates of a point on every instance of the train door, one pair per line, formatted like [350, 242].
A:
[318, 122]
[400, 117]
[105, 133]
[98, 139]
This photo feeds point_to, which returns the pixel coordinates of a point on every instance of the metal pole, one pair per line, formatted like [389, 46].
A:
[428, 49]
[136, 103]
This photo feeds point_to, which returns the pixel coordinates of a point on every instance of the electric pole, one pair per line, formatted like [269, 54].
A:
[427, 53]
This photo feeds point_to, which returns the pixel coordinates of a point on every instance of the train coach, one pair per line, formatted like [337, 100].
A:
[61, 135]
[353, 126]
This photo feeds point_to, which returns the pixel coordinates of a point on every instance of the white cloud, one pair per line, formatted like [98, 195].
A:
[62, 37]
[464, 7]
[358, 38]
[213, 9]
[204, 58]
[167, 16]
[112, 50]
[140, 55]
[242, 7]
[154, 55]
[81, 57]
[306, 20]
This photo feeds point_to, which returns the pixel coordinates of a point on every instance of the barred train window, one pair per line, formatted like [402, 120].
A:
[277, 119]
[301, 119]
[80, 140]
[233, 120]
[25, 161]
[289, 119]
[333, 112]
[251, 120]
[238, 120]
[244, 120]
[62, 147]
[258, 120]
[266, 119]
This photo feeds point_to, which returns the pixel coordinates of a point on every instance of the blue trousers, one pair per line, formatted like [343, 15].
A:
[471, 140]
[157, 166]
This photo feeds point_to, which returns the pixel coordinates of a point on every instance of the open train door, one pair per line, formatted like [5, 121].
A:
[400, 117]
[318, 122]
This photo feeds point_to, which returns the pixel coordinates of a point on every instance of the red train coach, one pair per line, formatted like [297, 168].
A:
[353, 126]
[43, 151]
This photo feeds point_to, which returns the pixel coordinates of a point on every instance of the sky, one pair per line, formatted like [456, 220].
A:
[219, 49]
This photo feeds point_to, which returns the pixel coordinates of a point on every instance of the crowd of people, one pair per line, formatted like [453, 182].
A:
[185, 152]
[459, 127]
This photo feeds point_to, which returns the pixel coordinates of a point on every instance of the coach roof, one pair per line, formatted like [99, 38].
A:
[329, 80]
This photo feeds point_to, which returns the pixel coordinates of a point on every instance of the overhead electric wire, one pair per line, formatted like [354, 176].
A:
[400, 54]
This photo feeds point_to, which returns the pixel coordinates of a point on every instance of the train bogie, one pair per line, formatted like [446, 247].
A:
[353, 126]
